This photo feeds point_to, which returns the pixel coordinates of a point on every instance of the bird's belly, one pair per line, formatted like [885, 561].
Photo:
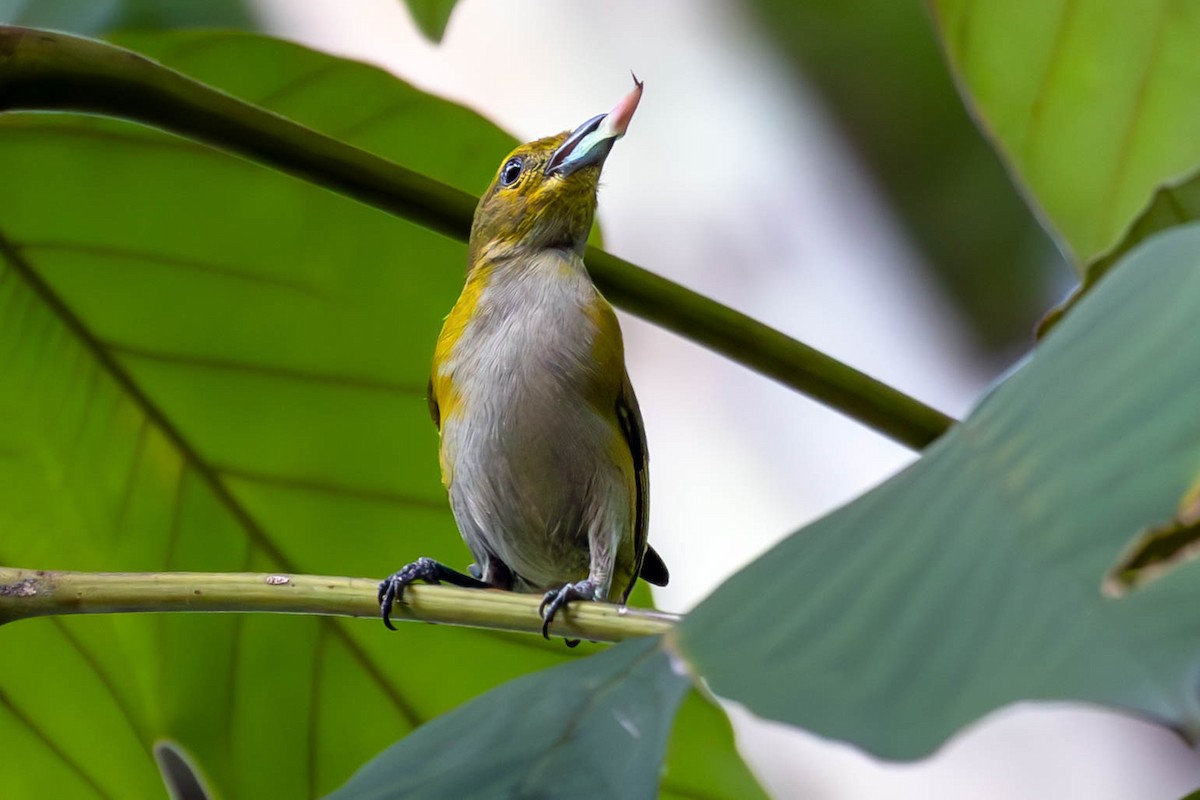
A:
[538, 473]
[528, 485]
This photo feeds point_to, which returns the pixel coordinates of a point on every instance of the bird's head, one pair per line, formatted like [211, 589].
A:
[544, 194]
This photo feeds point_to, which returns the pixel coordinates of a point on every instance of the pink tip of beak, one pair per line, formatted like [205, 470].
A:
[618, 119]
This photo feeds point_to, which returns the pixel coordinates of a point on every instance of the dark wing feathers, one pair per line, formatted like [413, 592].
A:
[649, 565]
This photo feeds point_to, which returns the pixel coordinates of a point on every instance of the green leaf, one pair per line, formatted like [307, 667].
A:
[1090, 101]
[431, 16]
[1174, 203]
[974, 578]
[98, 16]
[597, 728]
[209, 364]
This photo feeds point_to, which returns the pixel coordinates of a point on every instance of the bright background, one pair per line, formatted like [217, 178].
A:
[809, 164]
[735, 181]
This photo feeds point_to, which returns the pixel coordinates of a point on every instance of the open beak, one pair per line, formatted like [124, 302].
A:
[590, 142]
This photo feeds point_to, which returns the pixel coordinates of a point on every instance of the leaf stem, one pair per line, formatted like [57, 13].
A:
[42, 70]
[37, 593]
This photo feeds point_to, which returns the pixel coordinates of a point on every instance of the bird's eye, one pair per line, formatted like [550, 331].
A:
[511, 171]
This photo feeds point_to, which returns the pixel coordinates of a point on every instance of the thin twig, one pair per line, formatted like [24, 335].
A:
[37, 593]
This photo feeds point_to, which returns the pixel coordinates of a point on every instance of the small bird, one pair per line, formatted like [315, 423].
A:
[543, 452]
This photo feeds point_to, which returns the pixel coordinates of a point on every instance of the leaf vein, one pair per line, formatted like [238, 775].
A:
[323, 486]
[135, 466]
[263, 370]
[162, 259]
[272, 98]
[1065, 19]
[1133, 125]
[51, 745]
[87, 655]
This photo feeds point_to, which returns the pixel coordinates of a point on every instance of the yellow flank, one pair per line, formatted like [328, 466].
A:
[441, 383]
[452, 330]
[608, 353]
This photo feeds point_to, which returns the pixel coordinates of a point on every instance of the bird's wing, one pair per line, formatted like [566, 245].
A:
[630, 418]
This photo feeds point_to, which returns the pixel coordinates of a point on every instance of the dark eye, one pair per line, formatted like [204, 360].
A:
[511, 171]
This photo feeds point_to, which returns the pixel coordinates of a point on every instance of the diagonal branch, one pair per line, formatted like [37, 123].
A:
[37, 593]
[41, 70]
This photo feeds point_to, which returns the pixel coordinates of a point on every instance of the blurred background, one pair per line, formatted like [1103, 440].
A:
[809, 164]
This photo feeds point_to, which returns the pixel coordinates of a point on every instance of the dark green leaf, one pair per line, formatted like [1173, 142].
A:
[974, 578]
[431, 16]
[594, 728]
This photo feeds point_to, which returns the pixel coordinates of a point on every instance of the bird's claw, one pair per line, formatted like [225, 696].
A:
[391, 588]
[555, 599]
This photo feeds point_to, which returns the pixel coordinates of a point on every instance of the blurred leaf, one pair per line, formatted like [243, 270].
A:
[878, 67]
[973, 579]
[1091, 101]
[1174, 203]
[593, 728]
[431, 16]
[99, 16]
[211, 365]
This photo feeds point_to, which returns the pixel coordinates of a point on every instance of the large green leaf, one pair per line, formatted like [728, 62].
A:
[1174, 203]
[974, 578]
[1091, 101]
[594, 728]
[211, 365]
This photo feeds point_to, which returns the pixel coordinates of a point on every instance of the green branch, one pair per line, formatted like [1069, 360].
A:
[28, 593]
[41, 70]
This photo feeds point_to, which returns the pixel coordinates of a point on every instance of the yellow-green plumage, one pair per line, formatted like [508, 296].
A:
[542, 447]
[529, 382]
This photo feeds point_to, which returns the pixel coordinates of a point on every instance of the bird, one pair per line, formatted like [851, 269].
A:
[542, 446]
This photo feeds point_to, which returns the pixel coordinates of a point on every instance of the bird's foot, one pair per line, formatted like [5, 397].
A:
[391, 588]
[557, 598]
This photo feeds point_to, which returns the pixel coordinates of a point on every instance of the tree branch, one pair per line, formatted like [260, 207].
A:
[41, 70]
[36, 593]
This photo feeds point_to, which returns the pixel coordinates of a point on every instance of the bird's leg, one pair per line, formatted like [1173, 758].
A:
[391, 588]
[557, 598]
